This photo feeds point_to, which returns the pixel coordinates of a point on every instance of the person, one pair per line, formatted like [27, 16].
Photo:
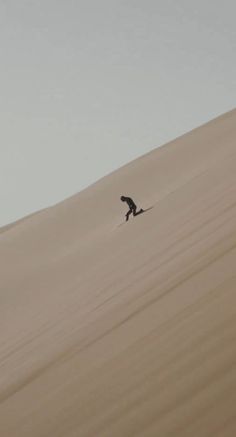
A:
[131, 205]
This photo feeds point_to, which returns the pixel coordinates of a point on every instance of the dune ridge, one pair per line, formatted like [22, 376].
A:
[115, 331]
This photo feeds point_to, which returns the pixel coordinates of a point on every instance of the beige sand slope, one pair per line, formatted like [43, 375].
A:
[117, 331]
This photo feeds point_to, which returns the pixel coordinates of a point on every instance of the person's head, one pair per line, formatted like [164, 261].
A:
[122, 198]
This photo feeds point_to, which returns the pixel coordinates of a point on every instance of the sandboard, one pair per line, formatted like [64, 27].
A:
[139, 212]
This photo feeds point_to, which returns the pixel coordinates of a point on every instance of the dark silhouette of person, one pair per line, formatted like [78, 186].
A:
[131, 205]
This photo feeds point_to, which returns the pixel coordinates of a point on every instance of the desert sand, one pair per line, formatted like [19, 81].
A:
[120, 331]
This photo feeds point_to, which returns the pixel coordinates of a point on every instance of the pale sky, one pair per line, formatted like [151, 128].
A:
[88, 85]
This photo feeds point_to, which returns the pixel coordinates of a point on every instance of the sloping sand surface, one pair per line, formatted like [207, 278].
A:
[120, 331]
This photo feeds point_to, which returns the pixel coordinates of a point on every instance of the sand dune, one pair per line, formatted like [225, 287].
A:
[120, 331]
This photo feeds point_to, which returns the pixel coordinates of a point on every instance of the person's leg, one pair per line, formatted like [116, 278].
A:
[134, 209]
[138, 212]
[128, 214]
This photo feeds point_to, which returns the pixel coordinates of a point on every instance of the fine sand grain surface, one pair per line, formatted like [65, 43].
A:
[120, 331]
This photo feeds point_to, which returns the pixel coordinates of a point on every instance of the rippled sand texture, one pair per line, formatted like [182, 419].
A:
[120, 331]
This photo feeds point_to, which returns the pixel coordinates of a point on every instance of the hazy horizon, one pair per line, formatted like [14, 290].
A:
[88, 87]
